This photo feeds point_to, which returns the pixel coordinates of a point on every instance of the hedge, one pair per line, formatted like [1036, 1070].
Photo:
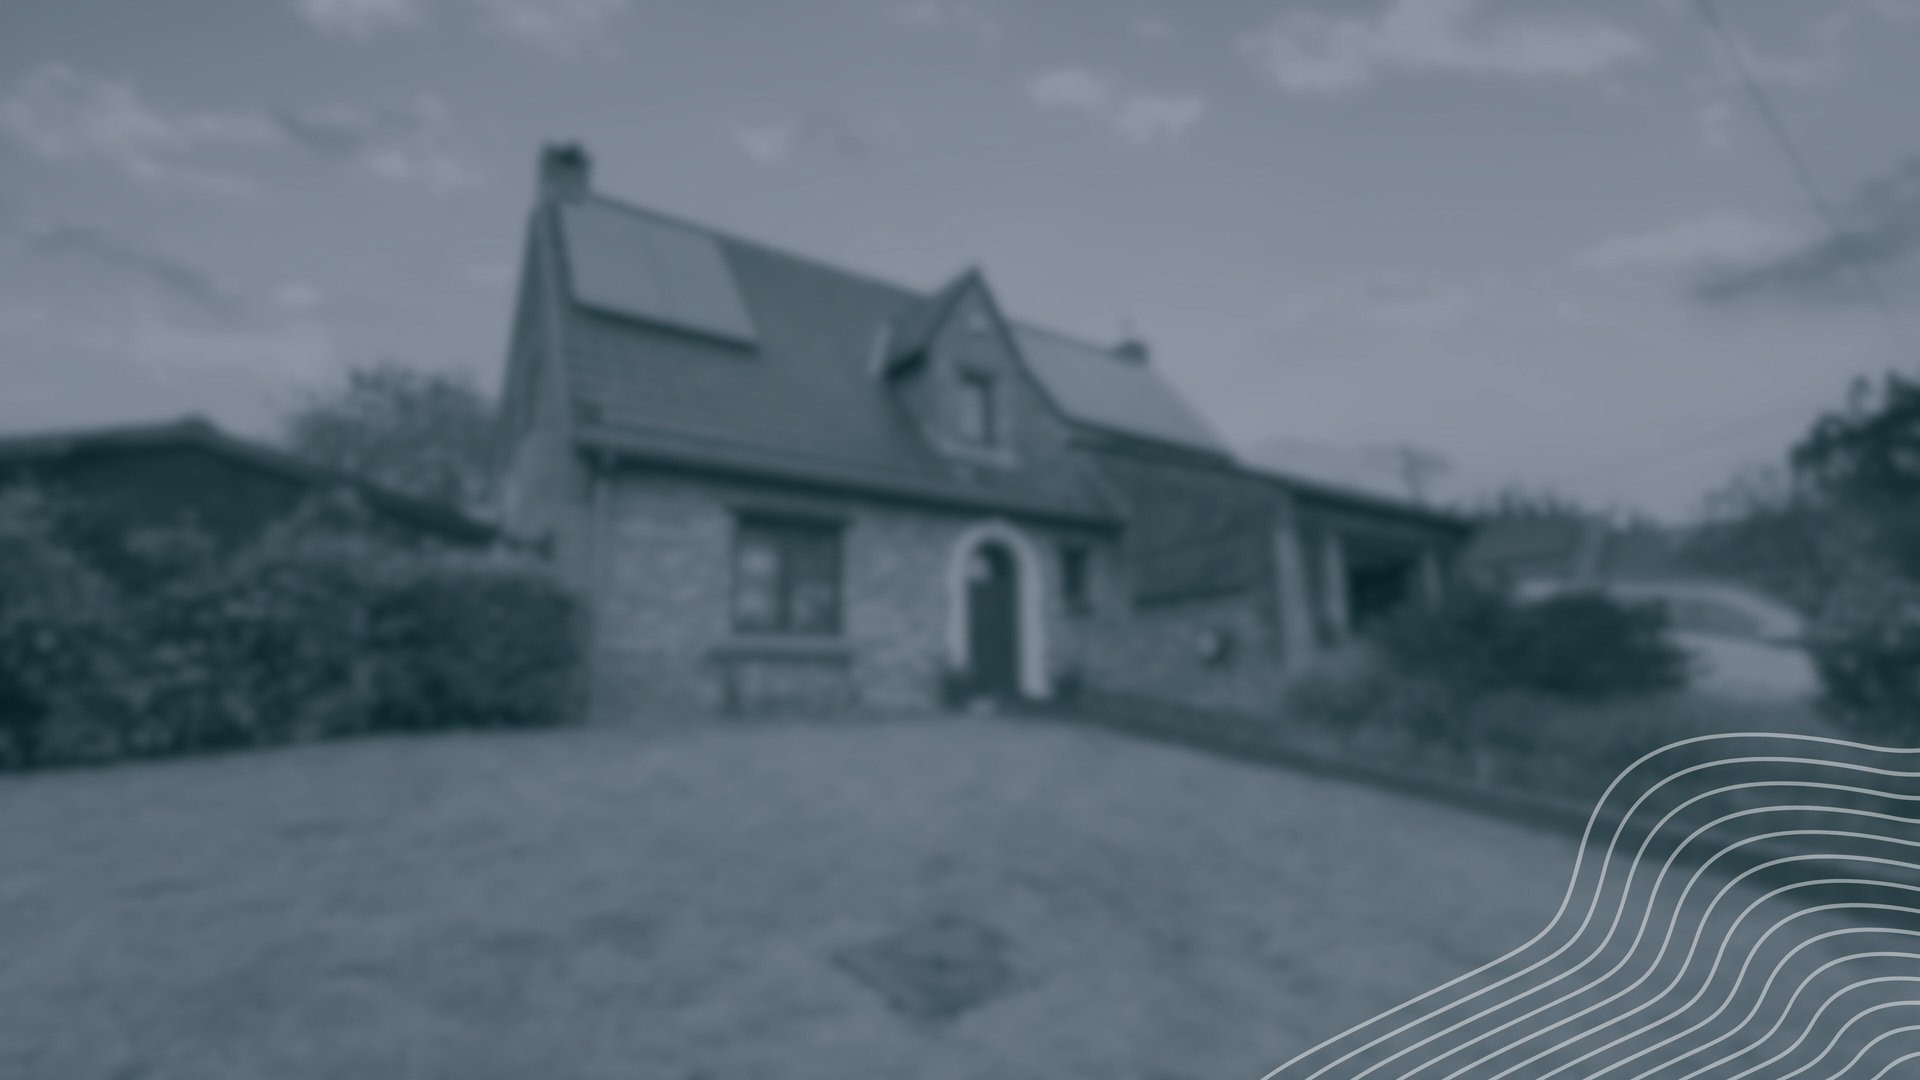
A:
[1575, 646]
[314, 630]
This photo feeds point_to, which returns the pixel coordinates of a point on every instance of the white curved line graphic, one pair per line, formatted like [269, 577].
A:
[1639, 868]
[1625, 895]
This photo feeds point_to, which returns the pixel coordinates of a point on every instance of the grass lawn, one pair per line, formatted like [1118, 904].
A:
[596, 904]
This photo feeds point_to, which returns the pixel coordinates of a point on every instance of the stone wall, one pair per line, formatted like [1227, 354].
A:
[664, 644]
[1220, 653]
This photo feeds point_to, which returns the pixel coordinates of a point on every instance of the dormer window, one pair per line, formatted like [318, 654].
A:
[979, 423]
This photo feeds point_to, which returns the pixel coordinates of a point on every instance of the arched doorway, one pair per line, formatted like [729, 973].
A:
[996, 624]
[993, 621]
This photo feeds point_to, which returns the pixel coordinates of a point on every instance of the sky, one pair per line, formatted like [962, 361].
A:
[1550, 242]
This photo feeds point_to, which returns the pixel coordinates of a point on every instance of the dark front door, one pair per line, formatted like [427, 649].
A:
[993, 627]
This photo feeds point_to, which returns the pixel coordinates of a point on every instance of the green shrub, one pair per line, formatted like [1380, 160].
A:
[1513, 738]
[473, 642]
[1561, 692]
[1866, 647]
[315, 630]
[1588, 647]
[59, 625]
[1357, 691]
[1578, 646]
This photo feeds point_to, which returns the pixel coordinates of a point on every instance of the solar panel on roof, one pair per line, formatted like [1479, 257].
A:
[646, 268]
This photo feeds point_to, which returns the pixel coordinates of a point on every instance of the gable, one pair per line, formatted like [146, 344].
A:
[968, 372]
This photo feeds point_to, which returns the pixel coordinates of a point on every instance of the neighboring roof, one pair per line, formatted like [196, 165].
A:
[200, 434]
[1102, 389]
[1363, 471]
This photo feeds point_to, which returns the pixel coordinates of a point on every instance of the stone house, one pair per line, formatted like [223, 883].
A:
[785, 485]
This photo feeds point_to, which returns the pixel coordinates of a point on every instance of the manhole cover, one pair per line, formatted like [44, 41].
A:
[935, 969]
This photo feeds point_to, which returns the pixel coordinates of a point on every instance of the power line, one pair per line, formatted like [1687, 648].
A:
[1803, 171]
[1735, 426]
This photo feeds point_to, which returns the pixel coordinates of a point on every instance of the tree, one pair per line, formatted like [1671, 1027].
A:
[1862, 463]
[1517, 502]
[1770, 529]
[426, 433]
[1865, 457]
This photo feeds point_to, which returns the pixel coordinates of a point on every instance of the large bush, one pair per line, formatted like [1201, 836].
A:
[1551, 695]
[1866, 646]
[317, 629]
[59, 633]
[1862, 460]
[488, 645]
[1579, 646]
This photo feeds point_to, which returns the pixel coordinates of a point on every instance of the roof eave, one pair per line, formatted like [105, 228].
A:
[1363, 500]
[605, 450]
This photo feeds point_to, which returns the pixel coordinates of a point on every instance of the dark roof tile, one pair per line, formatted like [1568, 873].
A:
[804, 402]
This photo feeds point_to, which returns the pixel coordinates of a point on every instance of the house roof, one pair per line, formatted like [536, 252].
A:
[802, 394]
[1101, 389]
[197, 432]
[803, 401]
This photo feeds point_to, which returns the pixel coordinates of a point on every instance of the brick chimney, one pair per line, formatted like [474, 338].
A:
[566, 172]
[1133, 349]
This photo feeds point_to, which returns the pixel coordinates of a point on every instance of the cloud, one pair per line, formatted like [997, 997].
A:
[61, 115]
[1145, 118]
[98, 251]
[1072, 88]
[408, 143]
[831, 133]
[358, 18]
[1137, 116]
[953, 16]
[768, 144]
[1386, 299]
[1717, 237]
[1151, 28]
[1316, 52]
[564, 27]
[1821, 49]
[1879, 229]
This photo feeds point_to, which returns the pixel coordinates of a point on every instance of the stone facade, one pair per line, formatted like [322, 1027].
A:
[661, 579]
[1219, 653]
